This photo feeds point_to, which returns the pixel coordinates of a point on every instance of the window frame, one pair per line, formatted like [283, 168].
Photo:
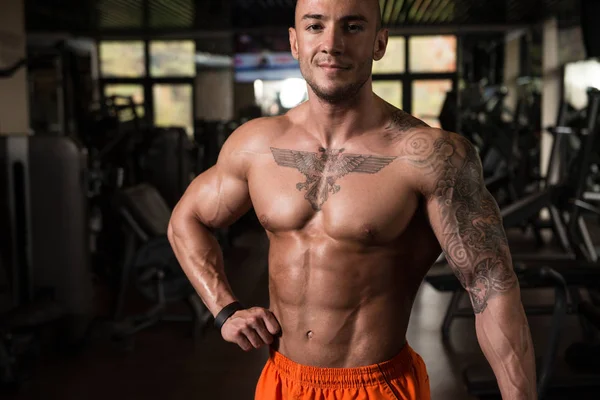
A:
[147, 81]
[407, 78]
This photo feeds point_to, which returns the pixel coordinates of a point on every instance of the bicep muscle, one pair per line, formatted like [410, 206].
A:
[466, 219]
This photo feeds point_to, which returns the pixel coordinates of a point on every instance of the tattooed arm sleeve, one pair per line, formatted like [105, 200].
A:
[467, 223]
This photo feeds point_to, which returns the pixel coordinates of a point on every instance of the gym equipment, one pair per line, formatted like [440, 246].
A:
[111, 139]
[556, 379]
[167, 163]
[113, 129]
[589, 26]
[152, 265]
[585, 356]
[125, 153]
[43, 243]
[509, 150]
[60, 84]
[581, 169]
[155, 260]
[10, 71]
[210, 137]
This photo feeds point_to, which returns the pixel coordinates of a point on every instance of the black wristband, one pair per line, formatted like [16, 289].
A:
[227, 312]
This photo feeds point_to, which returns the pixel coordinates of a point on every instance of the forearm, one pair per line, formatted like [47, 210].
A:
[201, 258]
[505, 339]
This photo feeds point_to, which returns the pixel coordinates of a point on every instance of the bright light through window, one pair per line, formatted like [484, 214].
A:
[292, 93]
[579, 76]
[276, 97]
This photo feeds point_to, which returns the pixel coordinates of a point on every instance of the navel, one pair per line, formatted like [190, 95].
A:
[309, 334]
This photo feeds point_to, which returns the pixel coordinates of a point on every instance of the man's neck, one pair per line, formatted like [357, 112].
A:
[335, 124]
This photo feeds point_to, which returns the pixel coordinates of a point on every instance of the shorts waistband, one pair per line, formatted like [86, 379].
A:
[339, 378]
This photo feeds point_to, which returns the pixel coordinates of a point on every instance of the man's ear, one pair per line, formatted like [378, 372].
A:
[380, 45]
[294, 42]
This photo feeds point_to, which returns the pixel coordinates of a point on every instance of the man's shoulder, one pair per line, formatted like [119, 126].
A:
[256, 134]
[411, 136]
[425, 145]
[263, 126]
[433, 155]
[400, 123]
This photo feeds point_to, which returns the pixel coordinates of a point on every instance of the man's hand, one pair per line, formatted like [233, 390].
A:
[252, 328]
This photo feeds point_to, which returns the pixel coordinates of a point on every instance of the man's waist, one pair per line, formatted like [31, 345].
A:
[346, 357]
[341, 350]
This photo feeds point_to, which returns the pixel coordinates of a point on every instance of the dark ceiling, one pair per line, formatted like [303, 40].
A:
[97, 17]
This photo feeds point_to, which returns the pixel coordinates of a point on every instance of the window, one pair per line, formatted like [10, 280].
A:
[134, 91]
[390, 91]
[172, 58]
[432, 54]
[394, 60]
[173, 106]
[428, 99]
[122, 59]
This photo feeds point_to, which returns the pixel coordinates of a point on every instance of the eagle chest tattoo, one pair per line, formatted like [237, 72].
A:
[323, 169]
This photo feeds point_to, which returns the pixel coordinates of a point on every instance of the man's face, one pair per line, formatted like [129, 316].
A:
[335, 42]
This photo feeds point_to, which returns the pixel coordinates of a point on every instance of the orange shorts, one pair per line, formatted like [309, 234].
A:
[403, 377]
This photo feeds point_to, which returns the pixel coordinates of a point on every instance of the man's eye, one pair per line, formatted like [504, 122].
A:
[355, 28]
[313, 27]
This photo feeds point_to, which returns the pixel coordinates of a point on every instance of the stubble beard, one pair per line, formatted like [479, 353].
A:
[338, 95]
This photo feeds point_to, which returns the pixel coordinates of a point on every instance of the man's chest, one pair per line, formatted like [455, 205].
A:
[352, 195]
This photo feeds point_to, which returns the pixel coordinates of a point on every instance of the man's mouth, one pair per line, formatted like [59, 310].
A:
[333, 67]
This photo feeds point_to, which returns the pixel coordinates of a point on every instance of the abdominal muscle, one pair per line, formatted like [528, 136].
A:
[339, 305]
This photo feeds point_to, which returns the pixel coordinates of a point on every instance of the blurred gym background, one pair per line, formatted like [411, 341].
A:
[109, 108]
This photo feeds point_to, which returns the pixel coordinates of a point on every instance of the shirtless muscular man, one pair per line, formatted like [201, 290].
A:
[358, 199]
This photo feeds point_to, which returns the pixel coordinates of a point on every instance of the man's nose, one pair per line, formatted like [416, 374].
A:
[333, 41]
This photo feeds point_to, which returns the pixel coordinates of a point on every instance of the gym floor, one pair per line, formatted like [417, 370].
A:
[166, 363]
